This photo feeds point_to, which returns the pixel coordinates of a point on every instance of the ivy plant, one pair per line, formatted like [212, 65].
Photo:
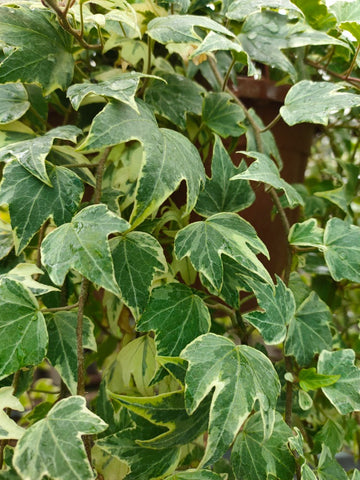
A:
[149, 329]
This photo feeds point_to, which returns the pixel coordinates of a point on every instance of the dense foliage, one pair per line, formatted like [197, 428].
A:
[143, 333]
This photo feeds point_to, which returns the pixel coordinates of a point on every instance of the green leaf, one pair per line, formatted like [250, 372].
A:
[50, 64]
[342, 250]
[305, 401]
[82, 245]
[264, 170]
[264, 35]
[53, 446]
[23, 335]
[133, 368]
[316, 14]
[176, 315]
[22, 272]
[240, 375]
[279, 306]
[175, 98]
[309, 331]
[224, 233]
[194, 475]
[13, 102]
[123, 89]
[64, 155]
[338, 196]
[169, 157]
[32, 153]
[306, 234]
[238, 10]
[345, 393]
[309, 379]
[62, 350]
[255, 458]
[138, 258]
[329, 468]
[31, 202]
[8, 428]
[222, 116]
[181, 28]
[314, 102]
[143, 463]
[347, 14]
[168, 410]
[332, 435]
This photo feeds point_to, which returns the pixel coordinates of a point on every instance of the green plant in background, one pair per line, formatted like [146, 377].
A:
[126, 350]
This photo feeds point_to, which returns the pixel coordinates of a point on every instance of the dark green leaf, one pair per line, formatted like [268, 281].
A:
[224, 233]
[314, 102]
[32, 153]
[31, 202]
[220, 195]
[62, 350]
[329, 468]
[331, 434]
[41, 50]
[53, 446]
[309, 331]
[138, 258]
[169, 157]
[240, 375]
[345, 393]
[176, 315]
[175, 98]
[82, 245]
[23, 335]
[13, 102]
[255, 458]
[222, 116]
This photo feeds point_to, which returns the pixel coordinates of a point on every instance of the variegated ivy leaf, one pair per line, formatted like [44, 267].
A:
[32, 153]
[238, 10]
[222, 116]
[8, 428]
[177, 315]
[175, 97]
[123, 89]
[50, 64]
[306, 234]
[254, 458]
[31, 202]
[345, 393]
[6, 239]
[264, 170]
[279, 306]
[169, 157]
[133, 368]
[266, 34]
[23, 335]
[143, 463]
[82, 245]
[168, 410]
[182, 28]
[53, 447]
[62, 350]
[309, 332]
[222, 234]
[22, 272]
[347, 14]
[13, 102]
[138, 258]
[342, 250]
[240, 375]
[329, 468]
[314, 102]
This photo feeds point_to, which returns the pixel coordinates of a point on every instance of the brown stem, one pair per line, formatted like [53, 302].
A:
[40, 239]
[353, 80]
[350, 69]
[4, 442]
[99, 175]
[60, 309]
